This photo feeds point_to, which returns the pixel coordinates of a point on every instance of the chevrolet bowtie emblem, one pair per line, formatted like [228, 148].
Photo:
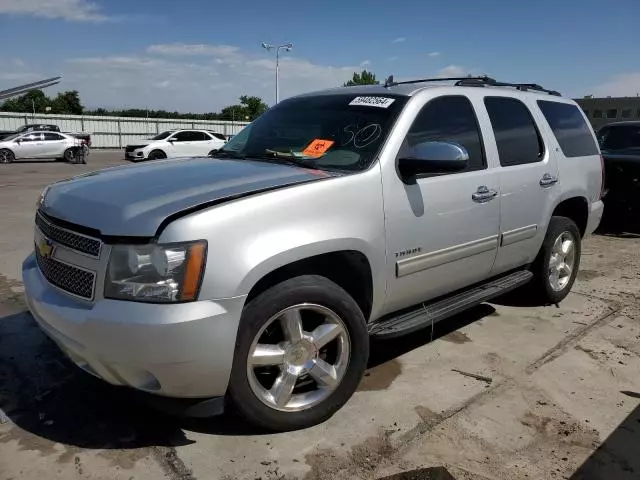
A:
[45, 248]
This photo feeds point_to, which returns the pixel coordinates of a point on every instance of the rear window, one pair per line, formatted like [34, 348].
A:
[620, 137]
[571, 131]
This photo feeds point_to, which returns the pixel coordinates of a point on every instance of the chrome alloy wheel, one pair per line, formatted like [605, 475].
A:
[562, 261]
[299, 357]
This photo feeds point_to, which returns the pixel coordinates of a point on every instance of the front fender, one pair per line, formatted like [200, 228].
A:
[251, 237]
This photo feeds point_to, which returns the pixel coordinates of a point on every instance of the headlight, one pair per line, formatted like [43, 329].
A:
[43, 194]
[155, 273]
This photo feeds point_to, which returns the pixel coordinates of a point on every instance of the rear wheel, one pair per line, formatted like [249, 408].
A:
[156, 155]
[557, 264]
[70, 155]
[301, 351]
[6, 156]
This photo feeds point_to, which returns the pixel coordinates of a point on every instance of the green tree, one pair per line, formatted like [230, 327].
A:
[249, 108]
[364, 78]
[27, 102]
[67, 103]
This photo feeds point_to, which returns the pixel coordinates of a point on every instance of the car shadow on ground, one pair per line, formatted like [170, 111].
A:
[619, 455]
[43, 394]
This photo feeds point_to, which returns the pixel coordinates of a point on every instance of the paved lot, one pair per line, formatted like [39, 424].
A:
[562, 401]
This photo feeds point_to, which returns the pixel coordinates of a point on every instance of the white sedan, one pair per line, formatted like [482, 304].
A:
[38, 145]
[176, 143]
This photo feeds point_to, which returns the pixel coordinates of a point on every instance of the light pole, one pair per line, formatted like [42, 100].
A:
[287, 47]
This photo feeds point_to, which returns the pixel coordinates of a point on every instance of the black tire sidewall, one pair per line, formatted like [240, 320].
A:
[11, 156]
[557, 226]
[156, 155]
[302, 289]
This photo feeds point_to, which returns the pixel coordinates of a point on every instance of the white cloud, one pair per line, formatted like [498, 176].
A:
[434, 54]
[393, 59]
[185, 49]
[365, 63]
[453, 71]
[176, 78]
[71, 10]
[623, 85]
[398, 40]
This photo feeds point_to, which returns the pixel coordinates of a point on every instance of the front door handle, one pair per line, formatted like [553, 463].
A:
[548, 180]
[484, 194]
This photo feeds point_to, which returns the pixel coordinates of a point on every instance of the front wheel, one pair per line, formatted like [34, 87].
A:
[156, 155]
[6, 156]
[301, 351]
[557, 264]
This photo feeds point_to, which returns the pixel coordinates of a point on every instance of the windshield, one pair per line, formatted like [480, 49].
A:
[162, 135]
[339, 131]
[13, 136]
[620, 137]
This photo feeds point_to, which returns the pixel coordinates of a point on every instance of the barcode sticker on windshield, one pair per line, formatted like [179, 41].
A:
[382, 102]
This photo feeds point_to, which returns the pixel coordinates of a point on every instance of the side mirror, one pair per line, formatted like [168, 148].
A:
[432, 158]
[18, 141]
[171, 140]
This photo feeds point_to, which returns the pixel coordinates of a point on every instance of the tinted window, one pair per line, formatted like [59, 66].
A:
[343, 131]
[597, 114]
[612, 113]
[162, 135]
[450, 119]
[188, 136]
[52, 136]
[569, 127]
[620, 137]
[219, 136]
[516, 134]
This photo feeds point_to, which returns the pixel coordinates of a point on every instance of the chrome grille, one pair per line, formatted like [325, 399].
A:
[87, 245]
[66, 277]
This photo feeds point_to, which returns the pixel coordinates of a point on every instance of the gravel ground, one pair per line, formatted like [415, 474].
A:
[557, 396]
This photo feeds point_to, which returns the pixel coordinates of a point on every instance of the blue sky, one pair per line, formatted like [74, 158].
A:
[200, 55]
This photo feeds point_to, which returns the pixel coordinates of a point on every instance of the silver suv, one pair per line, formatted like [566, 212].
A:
[259, 276]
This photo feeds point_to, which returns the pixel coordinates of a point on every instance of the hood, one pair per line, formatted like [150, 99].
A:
[134, 200]
[141, 143]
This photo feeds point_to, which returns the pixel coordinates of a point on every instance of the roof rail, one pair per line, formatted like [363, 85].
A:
[481, 81]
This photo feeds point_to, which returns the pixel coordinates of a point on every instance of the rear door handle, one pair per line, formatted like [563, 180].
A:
[548, 180]
[484, 194]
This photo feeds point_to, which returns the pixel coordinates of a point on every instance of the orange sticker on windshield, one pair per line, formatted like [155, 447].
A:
[317, 147]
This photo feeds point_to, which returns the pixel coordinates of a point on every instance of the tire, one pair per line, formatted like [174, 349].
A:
[261, 323]
[212, 152]
[543, 286]
[7, 156]
[70, 155]
[156, 155]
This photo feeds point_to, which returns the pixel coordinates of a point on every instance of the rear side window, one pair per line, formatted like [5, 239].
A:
[569, 127]
[620, 137]
[516, 134]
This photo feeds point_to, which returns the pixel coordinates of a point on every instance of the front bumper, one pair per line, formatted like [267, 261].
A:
[595, 216]
[135, 154]
[179, 350]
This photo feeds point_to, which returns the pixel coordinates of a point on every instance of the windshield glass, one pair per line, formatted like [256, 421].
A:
[338, 131]
[620, 137]
[162, 135]
[13, 136]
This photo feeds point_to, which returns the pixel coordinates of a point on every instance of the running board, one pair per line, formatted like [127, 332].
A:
[428, 313]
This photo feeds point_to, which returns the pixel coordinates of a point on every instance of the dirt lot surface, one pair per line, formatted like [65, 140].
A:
[557, 393]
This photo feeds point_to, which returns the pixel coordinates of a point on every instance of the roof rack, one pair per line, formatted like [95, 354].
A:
[481, 81]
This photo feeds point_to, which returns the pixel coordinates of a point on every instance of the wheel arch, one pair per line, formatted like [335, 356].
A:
[348, 268]
[575, 208]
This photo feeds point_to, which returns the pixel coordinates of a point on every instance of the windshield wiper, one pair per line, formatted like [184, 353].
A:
[229, 154]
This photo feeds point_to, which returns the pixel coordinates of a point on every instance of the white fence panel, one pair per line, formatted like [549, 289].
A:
[116, 132]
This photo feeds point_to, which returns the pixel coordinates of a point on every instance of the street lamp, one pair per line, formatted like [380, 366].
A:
[269, 47]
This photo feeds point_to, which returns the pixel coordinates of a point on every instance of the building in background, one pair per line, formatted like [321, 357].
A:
[601, 111]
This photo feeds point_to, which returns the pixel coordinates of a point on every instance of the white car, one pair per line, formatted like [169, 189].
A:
[176, 143]
[38, 145]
